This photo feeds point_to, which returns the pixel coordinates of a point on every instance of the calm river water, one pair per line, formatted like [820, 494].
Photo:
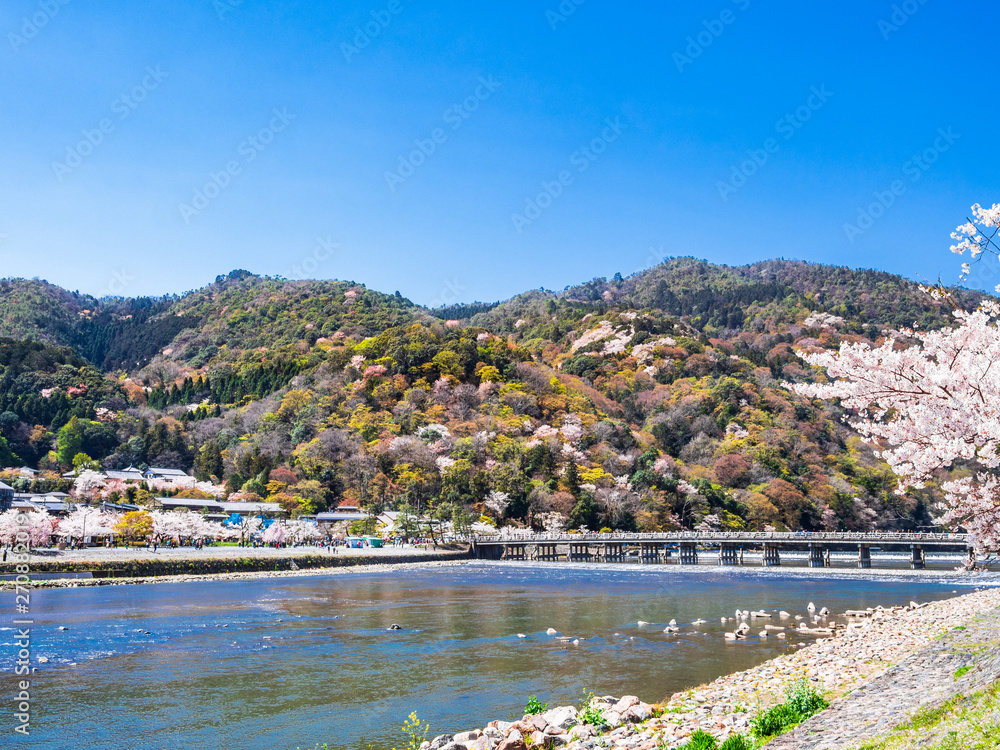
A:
[286, 663]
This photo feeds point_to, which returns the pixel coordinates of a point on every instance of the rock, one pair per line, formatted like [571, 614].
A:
[638, 713]
[521, 635]
[535, 723]
[780, 635]
[499, 726]
[63, 627]
[783, 613]
[394, 626]
[539, 739]
[551, 631]
[626, 702]
[466, 737]
[455, 746]
[513, 741]
[581, 732]
[43, 660]
[440, 741]
[562, 718]
[642, 622]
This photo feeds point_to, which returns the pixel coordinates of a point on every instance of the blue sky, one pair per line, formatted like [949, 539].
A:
[456, 153]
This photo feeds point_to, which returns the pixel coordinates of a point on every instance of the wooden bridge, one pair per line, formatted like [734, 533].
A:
[728, 548]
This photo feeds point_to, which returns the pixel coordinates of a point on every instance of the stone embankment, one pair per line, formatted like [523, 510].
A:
[103, 571]
[873, 641]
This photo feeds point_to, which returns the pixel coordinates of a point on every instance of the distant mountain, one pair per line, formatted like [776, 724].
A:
[652, 401]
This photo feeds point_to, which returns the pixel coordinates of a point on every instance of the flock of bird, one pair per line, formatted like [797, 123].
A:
[819, 625]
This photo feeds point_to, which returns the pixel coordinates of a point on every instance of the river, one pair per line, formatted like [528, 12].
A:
[291, 662]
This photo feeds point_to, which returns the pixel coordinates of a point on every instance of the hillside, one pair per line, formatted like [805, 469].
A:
[653, 401]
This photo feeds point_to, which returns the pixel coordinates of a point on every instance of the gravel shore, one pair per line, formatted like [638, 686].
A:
[870, 644]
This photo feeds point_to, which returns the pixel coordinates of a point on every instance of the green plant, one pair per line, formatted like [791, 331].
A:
[961, 671]
[700, 740]
[535, 706]
[591, 713]
[804, 699]
[416, 730]
[774, 721]
[737, 742]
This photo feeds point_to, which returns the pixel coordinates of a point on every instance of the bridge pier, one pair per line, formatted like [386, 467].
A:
[916, 557]
[771, 556]
[514, 552]
[864, 556]
[614, 553]
[547, 552]
[649, 554]
[816, 559]
[728, 555]
[579, 553]
[688, 554]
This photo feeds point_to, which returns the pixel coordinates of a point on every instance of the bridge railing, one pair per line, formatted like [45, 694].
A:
[722, 536]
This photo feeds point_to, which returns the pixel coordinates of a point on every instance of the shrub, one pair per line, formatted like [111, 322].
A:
[700, 740]
[591, 713]
[535, 706]
[804, 699]
[774, 721]
[737, 742]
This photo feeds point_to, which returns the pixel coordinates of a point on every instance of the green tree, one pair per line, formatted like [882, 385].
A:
[69, 442]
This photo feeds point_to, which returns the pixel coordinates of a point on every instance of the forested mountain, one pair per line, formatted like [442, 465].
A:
[653, 401]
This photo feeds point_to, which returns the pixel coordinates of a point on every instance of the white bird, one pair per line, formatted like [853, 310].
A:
[521, 635]
[699, 622]
[763, 634]
[672, 623]
[642, 622]
[783, 613]
[811, 607]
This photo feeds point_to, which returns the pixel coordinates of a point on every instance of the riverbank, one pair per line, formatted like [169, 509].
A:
[898, 643]
[100, 567]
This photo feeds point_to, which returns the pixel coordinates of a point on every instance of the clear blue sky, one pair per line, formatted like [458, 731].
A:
[691, 92]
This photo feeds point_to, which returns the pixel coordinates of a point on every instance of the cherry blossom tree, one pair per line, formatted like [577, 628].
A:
[497, 502]
[84, 522]
[930, 400]
[276, 533]
[37, 523]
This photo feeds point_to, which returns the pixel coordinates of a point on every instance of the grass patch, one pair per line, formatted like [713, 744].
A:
[966, 722]
[961, 671]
